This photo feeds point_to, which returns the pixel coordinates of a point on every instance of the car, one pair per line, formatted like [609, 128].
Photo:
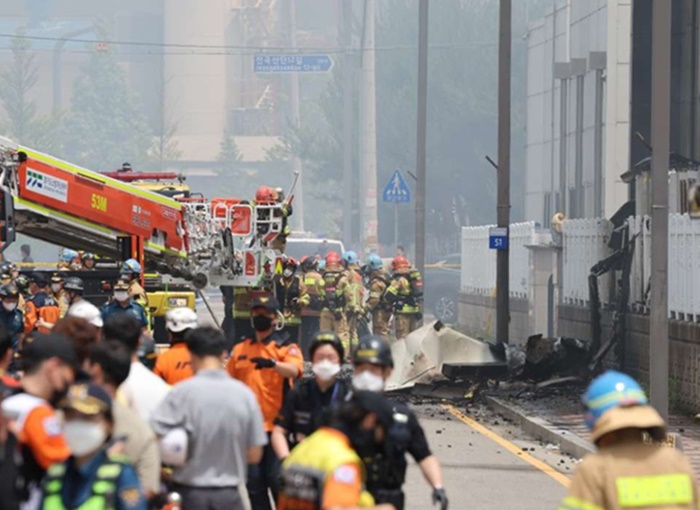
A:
[441, 284]
[306, 246]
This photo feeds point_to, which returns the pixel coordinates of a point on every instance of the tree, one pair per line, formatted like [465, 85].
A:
[164, 147]
[106, 124]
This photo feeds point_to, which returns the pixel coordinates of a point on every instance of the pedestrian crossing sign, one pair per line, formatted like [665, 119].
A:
[396, 190]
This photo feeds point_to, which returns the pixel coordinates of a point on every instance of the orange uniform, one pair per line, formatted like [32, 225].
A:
[174, 365]
[269, 386]
[40, 306]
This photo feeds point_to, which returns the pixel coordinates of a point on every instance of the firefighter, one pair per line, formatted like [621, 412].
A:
[325, 471]
[377, 305]
[5, 272]
[290, 292]
[131, 273]
[337, 294]
[242, 299]
[266, 195]
[314, 287]
[357, 290]
[405, 293]
[41, 310]
[628, 470]
[88, 260]
[67, 256]
[11, 316]
[386, 466]
[59, 294]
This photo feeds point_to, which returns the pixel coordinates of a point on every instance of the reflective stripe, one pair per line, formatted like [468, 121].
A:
[109, 471]
[103, 487]
[638, 491]
[570, 503]
[56, 470]
[617, 396]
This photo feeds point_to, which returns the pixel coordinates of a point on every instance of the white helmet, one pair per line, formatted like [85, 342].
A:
[173, 448]
[86, 310]
[180, 319]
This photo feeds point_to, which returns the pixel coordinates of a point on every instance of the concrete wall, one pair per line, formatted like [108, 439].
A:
[684, 369]
[477, 314]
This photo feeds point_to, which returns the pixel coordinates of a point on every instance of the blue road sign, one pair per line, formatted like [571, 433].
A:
[396, 190]
[264, 63]
[498, 238]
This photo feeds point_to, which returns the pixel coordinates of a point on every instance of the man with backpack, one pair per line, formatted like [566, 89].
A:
[405, 293]
[337, 298]
[377, 305]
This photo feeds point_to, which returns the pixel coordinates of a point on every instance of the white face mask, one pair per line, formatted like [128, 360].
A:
[9, 306]
[84, 437]
[287, 273]
[325, 370]
[367, 381]
[121, 296]
[56, 287]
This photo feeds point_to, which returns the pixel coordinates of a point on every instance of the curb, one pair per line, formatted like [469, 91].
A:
[541, 429]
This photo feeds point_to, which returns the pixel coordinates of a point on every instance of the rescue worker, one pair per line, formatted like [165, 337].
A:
[267, 363]
[41, 310]
[242, 299]
[357, 290]
[266, 195]
[74, 288]
[311, 314]
[309, 404]
[337, 294]
[376, 305]
[405, 293]
[92, 477]
[628, 470]
[22, 283]
[59, 295]
[131, 270]
[5, 272]
[291, 294]
[123, 303]
[67, 256]
[174, 365]
[11, 316]
[386, 467]
[325, 471]
[88, 260]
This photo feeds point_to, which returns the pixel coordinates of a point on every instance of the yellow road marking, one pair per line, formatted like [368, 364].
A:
[512, 448]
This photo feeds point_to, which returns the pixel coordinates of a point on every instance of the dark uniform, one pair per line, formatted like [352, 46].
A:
[132, 308]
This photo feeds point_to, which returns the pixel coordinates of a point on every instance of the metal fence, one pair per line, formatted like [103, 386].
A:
[585, 244]
[479, 262]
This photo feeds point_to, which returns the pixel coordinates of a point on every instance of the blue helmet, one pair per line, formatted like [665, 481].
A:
[321, 265]
[68, 255]
[609, 390]
[374, 262]
[131, 266]
[351, 257]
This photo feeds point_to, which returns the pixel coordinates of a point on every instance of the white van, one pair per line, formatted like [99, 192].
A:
[299, 247]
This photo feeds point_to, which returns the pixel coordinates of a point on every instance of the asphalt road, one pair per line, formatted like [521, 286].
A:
[486, 463]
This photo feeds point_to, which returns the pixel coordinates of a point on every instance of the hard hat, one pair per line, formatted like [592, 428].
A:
[374, 350]
[131, 266]
[86, 310]
[9, 291]
[400, 262]
[351, 257]
[126, 165]
[180, 319]
[289, 263]
[68, 255]
[327, 338]
[173, 448]
[321, 264]
[374, 262]
[74, 284]
[88, 255]
[332, 259]
[5, 267]
[22, 283]
[265, 195]
[307, 264]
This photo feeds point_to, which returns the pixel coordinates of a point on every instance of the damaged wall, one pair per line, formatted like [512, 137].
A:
[684, 367]
[477, 314]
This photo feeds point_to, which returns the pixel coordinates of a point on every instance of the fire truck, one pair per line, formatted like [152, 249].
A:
[207, 242]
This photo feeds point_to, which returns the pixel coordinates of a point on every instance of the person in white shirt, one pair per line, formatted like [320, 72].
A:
[143, 391]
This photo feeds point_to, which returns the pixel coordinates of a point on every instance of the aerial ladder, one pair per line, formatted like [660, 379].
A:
[219, 241]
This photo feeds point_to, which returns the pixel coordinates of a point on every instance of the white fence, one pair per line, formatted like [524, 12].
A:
[479, 262]
[585, 244]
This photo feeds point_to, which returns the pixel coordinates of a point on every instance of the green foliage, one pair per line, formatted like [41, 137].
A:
[106, 124]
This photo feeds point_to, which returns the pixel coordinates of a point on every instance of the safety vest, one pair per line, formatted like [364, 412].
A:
[334, 298]
[104, 489]
[309, 464]
[314, 287]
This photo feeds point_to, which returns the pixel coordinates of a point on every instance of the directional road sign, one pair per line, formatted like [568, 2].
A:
[498, 238]
[265, 63]
[396, 190]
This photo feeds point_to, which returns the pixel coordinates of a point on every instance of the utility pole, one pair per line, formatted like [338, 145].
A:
[660, 141]
[368, 205]
[345, 7]
[503, 206]
[421, 140]
[296, 119]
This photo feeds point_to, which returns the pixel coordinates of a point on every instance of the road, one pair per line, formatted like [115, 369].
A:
[487, 464]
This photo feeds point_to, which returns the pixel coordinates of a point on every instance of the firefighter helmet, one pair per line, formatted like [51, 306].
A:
[374, 262]
[400, 262]
[265, 195]
[131, 266]
[332, 259]
[351, 257]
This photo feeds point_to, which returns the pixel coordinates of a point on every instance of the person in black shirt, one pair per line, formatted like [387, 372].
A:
[308, 405]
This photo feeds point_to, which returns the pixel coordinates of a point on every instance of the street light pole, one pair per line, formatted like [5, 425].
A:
[421, 132]
[660, 141]
[503, 206]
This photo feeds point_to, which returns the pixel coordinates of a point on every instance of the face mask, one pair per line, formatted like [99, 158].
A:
[261, 323]
[9, 306]
[121, 296]
[84, 437]
[56, 287]
[287, 273]
[367, 381]
[325, 370]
